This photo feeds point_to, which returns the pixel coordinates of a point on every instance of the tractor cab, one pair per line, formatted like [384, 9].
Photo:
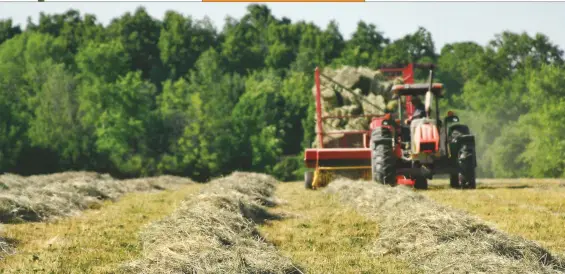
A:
[406, 95]
[432, 124]
[419, 131]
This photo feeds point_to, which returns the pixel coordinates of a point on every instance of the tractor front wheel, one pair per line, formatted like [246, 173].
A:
[383, 164]
[382, 157]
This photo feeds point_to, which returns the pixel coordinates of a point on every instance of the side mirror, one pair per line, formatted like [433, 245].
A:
[451, 119]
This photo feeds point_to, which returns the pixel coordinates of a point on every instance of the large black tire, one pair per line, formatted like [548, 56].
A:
[465, 178]
[454, 181]
[466, 163]
[308, 179]
[383, 160]
[421, 183]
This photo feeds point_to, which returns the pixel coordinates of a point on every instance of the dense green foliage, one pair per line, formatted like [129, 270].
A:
[143, 96]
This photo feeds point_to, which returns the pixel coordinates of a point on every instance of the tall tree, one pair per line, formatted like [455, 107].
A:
[364, 47]
[139, 33]
[197, 116]
[103, 61]
[182, 41]
[56, 125]
[416, 47]
[7, 30]
[74, 29]
[119, 114]
[260, 122]
[458, 64]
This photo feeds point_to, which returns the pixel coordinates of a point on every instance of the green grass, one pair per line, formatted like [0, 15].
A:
[95, 242]
[323, 236]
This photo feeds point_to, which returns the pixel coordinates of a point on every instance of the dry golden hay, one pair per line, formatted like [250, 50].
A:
[47, 197]
[372, 91]
[42, 197]
[438, 239]
[5, 247]
[214, 232]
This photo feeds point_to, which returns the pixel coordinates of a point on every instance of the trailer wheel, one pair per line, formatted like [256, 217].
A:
[308, 179]
[421, 183]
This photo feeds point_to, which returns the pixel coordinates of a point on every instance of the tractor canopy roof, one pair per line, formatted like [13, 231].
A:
[417, 89]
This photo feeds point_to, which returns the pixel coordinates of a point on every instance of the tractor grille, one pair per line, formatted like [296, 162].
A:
[427, 147]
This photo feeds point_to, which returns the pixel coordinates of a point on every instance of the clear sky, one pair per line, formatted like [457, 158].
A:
[447, 21]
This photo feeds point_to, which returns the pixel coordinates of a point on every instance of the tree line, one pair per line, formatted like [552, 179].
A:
[143, 96]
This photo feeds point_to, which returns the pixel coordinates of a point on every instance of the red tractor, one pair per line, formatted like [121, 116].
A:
[407, 145]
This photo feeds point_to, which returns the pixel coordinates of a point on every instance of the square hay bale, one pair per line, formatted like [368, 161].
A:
[370, 90]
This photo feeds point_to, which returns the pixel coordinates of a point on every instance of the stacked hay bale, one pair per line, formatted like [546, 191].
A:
[370, 93]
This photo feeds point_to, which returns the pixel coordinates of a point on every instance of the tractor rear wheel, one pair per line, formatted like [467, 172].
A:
[382, 158]
[466, 160]
[465, 178]
[308, 179]
[467, 181]
[421, 183]
[454, 180]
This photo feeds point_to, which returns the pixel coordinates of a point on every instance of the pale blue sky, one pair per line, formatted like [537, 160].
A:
[448, 21]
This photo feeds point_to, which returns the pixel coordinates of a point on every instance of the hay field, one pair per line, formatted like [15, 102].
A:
[534, 209]
[437, 238]
[97, 241]
[251, 223]
[45, 197]
[215, 232]
[51, 197]
[324, 236]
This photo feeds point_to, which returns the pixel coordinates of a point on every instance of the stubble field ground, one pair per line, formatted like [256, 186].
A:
[317, 231]
[532, 208]
[97, 241]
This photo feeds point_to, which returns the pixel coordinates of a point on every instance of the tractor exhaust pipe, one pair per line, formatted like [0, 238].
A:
[428, 99]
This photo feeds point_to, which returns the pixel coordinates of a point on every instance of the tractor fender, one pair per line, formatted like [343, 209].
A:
[460, 138]
[461, 129]
[464, 140]
[463, 135]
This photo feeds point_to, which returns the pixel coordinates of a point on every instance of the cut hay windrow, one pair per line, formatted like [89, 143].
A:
[5, 247]
[215, 232]
[43, 197]
[438, 239]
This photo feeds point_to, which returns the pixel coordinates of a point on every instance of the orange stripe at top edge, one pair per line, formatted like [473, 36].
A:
[294, 1]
